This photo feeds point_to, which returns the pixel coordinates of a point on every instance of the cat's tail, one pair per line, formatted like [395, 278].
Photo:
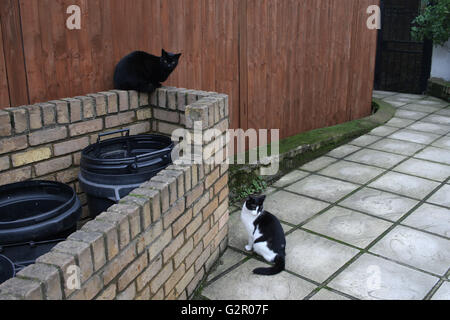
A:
[277, 268]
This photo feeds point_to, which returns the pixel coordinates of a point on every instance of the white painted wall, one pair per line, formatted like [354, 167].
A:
[440, 66]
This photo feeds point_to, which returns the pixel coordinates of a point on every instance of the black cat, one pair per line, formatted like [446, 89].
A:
[144, 72]
[265, 235]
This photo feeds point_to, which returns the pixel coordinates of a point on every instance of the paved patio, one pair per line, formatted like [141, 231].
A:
[369, 220]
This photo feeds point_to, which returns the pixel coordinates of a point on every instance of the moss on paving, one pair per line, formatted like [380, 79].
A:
[315, 142]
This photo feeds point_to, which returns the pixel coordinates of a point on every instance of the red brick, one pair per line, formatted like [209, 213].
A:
[169, 116]
[209, 209]
[17, 175]
[100, 103]
[35, 117]
[75, 109]
[48, 135]
[5, 124]
[212, 177]
[62, 111]
[182, 222]
[175, 211]
[13, 144]
[194, 194]
[220, 184]
[201, 232]
[70, 146]
[53, 165]
[86, 127]
[123, 99]
[67, 176]
[20, 119]
[112, 101]
[48, 114]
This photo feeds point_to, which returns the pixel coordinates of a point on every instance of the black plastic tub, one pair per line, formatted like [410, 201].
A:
[34, 217]
[7, 270]
[111, 169]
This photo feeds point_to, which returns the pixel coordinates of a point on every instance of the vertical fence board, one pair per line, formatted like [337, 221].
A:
[4, 90]
[13, 52]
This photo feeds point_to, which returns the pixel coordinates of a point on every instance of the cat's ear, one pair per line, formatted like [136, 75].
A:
[177, 56]
[163, 53]
[261, 199]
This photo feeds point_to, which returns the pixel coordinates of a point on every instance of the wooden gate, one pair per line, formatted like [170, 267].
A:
[403, 65]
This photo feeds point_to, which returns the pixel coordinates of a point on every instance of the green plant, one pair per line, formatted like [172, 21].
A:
[433, 23]
[256, 185]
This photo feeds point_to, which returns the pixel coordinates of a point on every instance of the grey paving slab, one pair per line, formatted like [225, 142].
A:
[351, 171]
[443, 142]
[408, 114]
[229, 259]
[415, 248]
[399, 122]
[441, 197]
[438, 119]
[270, 190]
[443, 293]
[444, 112]
[430, 218]
[318, 163]
[379, 203]
[397, 146]
[374, 278]
[376, 158]
[343, 151]
[383, 94]
[364, 140]
[315, 257]
[242, 284]
[406, 185]
[293, 208]
[237, 235]
[439, 129]
[420, 107]
[414, 136]
[409, 96]
[424, 169]
[290, 178]
[432, 101]
[322, 188]
[348, 226]
[397, 99]
[325, 294]
[383, 131]
[435, 154]
[396, 103]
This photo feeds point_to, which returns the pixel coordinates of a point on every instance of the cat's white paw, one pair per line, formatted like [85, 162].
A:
[248, 248]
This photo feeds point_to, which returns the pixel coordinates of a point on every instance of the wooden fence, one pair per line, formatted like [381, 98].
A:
[289, 64]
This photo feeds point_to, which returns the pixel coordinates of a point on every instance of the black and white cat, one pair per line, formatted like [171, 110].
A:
[265, 235]
[144, 72]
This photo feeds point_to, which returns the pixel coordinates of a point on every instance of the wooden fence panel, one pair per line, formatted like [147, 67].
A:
[13, 52]
[309, 63]
[289, 64]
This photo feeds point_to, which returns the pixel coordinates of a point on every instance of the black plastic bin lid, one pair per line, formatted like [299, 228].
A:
[36, 210]
[127, 154]
[7, 269]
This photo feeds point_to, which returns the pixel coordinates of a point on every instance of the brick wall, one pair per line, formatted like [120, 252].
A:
[159, 241]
